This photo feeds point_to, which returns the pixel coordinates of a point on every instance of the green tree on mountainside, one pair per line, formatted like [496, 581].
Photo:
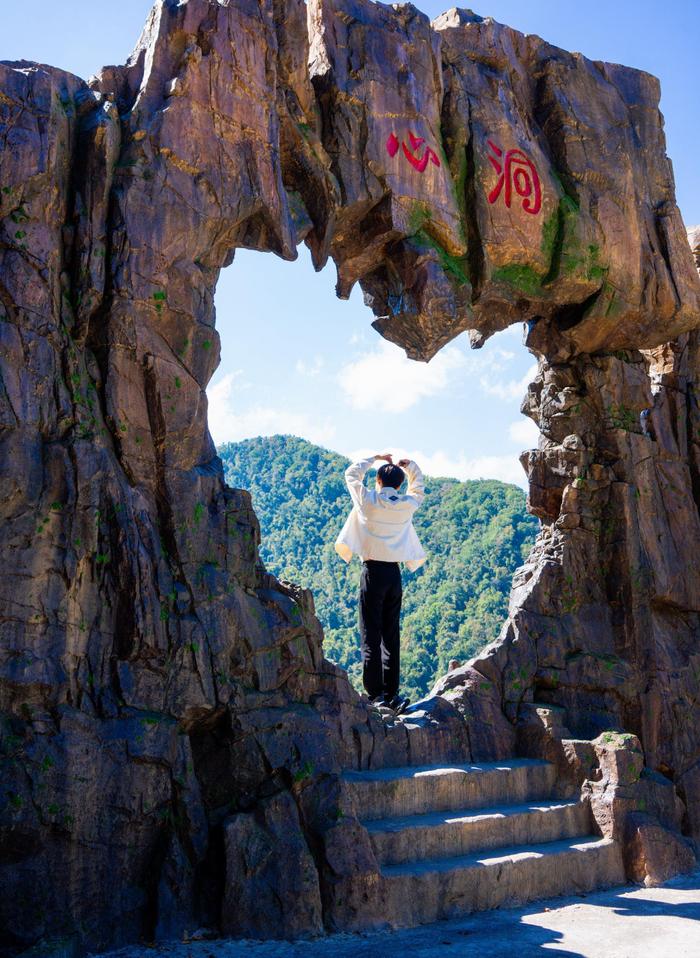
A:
[476, 533]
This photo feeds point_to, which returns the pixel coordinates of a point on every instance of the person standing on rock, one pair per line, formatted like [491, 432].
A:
[380, 530]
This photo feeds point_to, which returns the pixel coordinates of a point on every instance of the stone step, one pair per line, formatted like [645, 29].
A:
[414, 790]
[437, 889]
[441, 834]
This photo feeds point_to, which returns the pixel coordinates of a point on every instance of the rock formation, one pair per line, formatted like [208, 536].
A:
[171, 734]
[694, 240]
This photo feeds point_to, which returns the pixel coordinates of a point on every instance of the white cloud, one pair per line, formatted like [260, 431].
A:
[385, 377]
[505, 468]
[508, 389]
[227, 423]
[498, 358]
[309, 369]
[525, 432]
[440, 464]
[515, 331]
[234, 380]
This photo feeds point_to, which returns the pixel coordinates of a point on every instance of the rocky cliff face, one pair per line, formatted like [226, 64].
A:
[171, 734]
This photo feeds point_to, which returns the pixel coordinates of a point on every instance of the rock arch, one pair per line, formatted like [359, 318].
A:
[154, 678]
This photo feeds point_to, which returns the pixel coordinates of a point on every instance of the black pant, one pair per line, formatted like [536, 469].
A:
[380, 608]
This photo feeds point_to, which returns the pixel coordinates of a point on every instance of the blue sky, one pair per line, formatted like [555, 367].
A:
[295, 359]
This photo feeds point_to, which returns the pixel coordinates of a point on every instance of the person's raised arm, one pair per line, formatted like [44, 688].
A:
[355, 475]
[416, 486]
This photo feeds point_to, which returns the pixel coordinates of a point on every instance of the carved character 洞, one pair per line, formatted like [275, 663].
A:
[515, 170]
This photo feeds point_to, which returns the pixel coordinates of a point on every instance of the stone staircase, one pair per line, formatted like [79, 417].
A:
[454, 839]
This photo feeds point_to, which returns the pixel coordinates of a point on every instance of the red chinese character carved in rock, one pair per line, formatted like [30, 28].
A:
[515, 169]
[417, 162]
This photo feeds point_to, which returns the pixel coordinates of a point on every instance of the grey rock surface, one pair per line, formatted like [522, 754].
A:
[165, 704]
[608, 924]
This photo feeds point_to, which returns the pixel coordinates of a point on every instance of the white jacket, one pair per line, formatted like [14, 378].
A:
[380, 525]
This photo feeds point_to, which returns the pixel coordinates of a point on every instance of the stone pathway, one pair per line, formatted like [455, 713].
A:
[628, 922]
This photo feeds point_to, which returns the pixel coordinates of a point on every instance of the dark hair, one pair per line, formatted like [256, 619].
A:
[390, 475]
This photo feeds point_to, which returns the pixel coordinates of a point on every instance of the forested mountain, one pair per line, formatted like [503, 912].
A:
[476, 533]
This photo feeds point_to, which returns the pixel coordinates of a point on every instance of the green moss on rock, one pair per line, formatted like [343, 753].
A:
[418, 220]
[521, 277]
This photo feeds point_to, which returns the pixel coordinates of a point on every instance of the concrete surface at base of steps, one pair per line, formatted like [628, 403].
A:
[428, 891]
[442, 834]
[387, 792]
[628, 922]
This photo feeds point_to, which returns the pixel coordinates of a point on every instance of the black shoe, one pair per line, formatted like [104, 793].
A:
[399, 704]
[379, 701]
